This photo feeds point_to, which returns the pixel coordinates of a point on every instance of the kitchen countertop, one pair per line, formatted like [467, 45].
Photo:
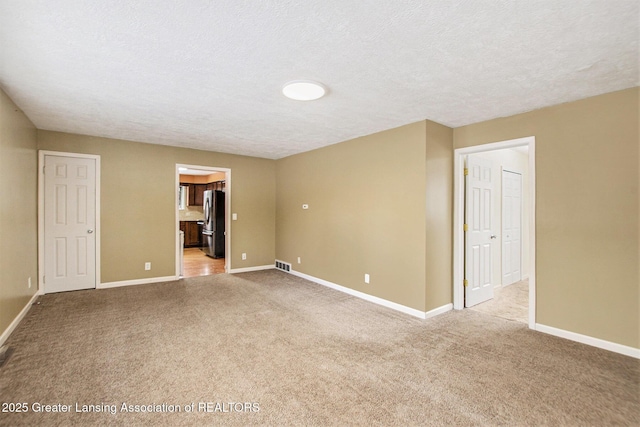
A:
[192, 213]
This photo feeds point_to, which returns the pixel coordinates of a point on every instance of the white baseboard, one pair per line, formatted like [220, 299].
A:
[370, 298]
[439, 310]
[137, 282]
[248, 269]
[13, 325]
[585, 339]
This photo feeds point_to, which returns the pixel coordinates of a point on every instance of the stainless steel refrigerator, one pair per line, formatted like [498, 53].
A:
[213, 231]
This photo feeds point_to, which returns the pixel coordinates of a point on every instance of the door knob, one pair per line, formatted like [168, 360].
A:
[89, 231]
[493, 236]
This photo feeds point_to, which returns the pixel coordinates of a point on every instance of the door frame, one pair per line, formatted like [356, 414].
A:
[458, 218]
[227, 212]
[41, 213]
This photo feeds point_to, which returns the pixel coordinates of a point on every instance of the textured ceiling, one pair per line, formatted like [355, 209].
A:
[208, 74]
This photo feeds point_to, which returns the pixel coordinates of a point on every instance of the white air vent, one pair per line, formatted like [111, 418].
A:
[284, 266]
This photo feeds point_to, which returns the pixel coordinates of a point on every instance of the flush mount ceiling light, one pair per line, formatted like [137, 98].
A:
[304, 90]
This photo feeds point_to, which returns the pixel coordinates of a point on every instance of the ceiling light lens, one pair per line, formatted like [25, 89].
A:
[303, 90]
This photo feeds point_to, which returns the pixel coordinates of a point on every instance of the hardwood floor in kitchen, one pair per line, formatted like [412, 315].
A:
[196, 263]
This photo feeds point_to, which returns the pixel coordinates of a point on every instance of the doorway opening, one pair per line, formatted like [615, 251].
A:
[507, 253]
[203, 232]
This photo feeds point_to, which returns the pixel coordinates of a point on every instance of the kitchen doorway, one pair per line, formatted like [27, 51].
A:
[196, 263]
[203, 200]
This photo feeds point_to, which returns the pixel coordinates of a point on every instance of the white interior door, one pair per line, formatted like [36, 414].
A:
[479, 232]
[69, 223]
[511, 227]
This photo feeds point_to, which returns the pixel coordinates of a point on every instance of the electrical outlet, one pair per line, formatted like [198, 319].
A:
[244, 256]
[29, 282]
[366, 278]
[147, 266]
[299, 260]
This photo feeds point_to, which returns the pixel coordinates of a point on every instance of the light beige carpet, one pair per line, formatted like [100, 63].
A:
[509, 302]
[299, 354]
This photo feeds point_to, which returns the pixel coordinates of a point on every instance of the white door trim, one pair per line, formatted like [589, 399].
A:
[458, 218]
[41, 255]
[227, 212]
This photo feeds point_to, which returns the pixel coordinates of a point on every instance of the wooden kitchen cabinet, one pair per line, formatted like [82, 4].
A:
[197, 190]
[216, 186]
[196, 193]
[192, 233]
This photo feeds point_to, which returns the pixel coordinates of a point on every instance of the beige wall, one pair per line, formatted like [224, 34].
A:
[439, 215]
[18, 201]
[586, 211]
[366, 202]
[138, 196]
[367, 199]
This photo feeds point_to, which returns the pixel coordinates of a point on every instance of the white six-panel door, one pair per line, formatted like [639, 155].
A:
[479, 234]
[511, 227]
[69, 223]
